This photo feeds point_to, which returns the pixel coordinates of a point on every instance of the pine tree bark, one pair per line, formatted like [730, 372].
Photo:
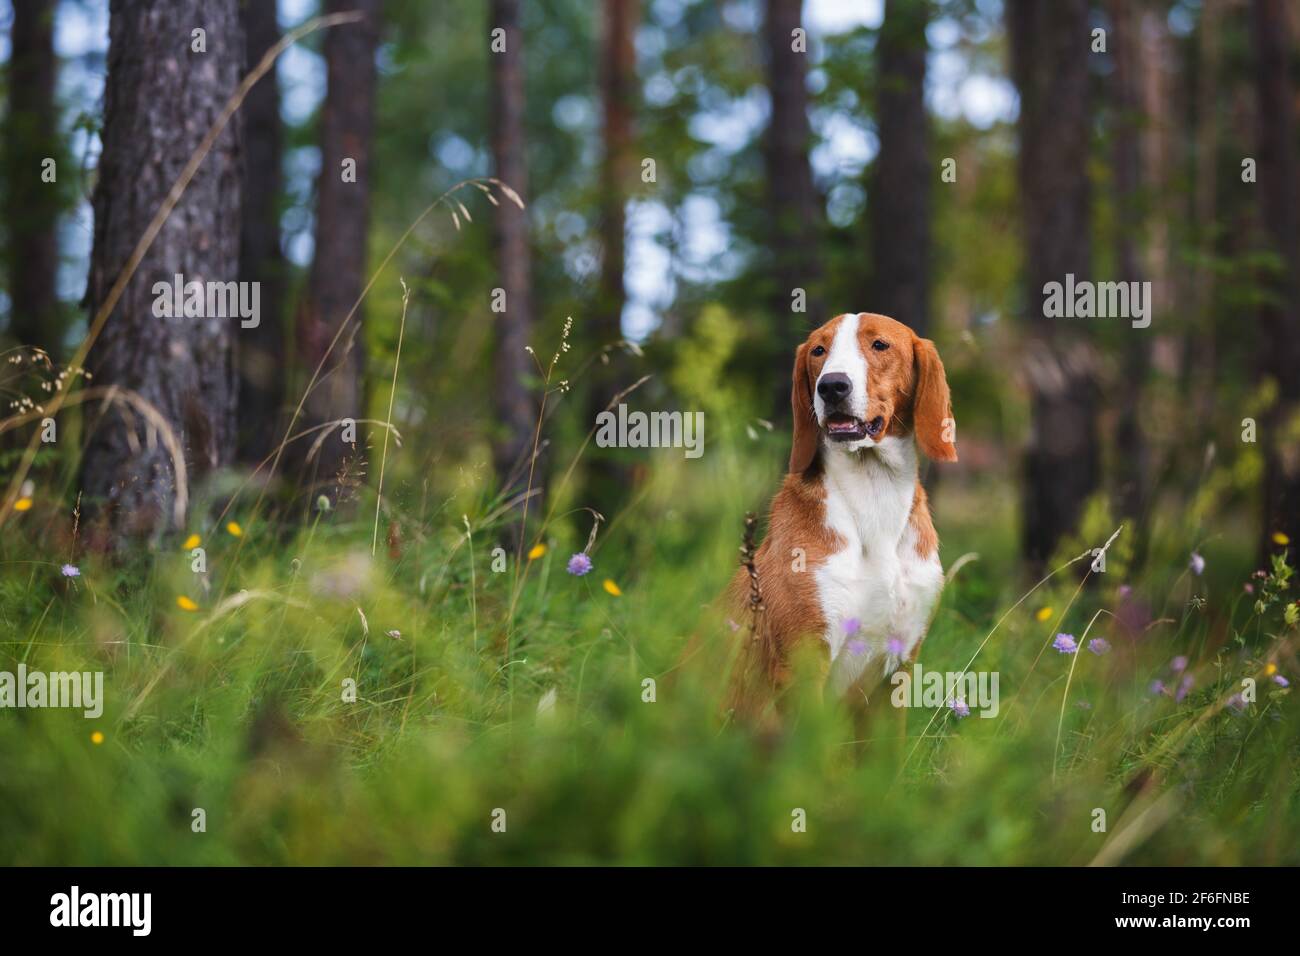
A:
[513, 400]
[1132, 459]
[261, 349]
[32, 205]
[1280, 315]
[339, 268]
[1049, 60]
[792, 198]
[899, 198]
[606, 479]
[1199, 361]
[160, 99]
[618, 92]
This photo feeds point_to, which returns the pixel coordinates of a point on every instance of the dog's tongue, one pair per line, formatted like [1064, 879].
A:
[841, 423]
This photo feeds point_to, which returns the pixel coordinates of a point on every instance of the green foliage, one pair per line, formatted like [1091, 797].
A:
[702, 359]
[238, 707]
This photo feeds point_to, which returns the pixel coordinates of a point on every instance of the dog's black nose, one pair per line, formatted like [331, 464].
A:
[834, 387]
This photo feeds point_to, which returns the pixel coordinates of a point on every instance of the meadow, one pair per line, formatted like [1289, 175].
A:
[353, 654]
[510, 712]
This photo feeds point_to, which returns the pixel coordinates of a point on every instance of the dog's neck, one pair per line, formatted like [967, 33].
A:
[869, 491]
[895, 454]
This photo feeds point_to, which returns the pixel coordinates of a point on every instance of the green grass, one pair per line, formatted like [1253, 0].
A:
[237, 708]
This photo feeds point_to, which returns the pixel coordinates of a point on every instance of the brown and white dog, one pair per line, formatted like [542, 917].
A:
[851, 558]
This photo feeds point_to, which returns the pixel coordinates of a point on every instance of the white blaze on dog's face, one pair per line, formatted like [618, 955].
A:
[840, 391]
[863, 377]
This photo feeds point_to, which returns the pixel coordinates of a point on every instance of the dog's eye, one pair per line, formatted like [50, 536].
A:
[818, 351]
[880, 345]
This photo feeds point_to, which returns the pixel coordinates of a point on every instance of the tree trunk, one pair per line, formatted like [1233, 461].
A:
[1280, 315]
[32, 207]
[339, 268]
[618, 92]
[1199, 359]
[606, 481]
[793, 202]
[1049, 58]
[900, 186]
[1132, 458]
[261, 349]
[160, 99]
[513, 401]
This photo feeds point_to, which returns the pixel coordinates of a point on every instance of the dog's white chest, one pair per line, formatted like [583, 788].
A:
[876, 592]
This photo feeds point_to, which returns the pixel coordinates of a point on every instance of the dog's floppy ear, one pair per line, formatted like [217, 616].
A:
[804, 449]
[936, 430]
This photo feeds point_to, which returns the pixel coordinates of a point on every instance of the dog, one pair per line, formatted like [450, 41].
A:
[851, 559]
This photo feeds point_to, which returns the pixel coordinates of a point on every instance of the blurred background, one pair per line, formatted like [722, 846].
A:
[704, 183]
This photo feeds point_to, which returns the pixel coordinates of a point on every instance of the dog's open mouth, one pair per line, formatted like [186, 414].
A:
[841, 427]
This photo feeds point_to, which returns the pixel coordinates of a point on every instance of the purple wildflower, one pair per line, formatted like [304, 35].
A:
[851, 625]
[857, 647]
[1157, 687]
[579, 564]
[1124, 591]
[1065, 643]
[1178, 664]
[70, 571]
[959, 707]
[1250, 588]
[1237, 703]
[1184, 687]
[1281, 681]
[1099, 646]
[895, 646]
[1197, 564]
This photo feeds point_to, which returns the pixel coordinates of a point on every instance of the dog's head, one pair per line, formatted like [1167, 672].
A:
[863, 377]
